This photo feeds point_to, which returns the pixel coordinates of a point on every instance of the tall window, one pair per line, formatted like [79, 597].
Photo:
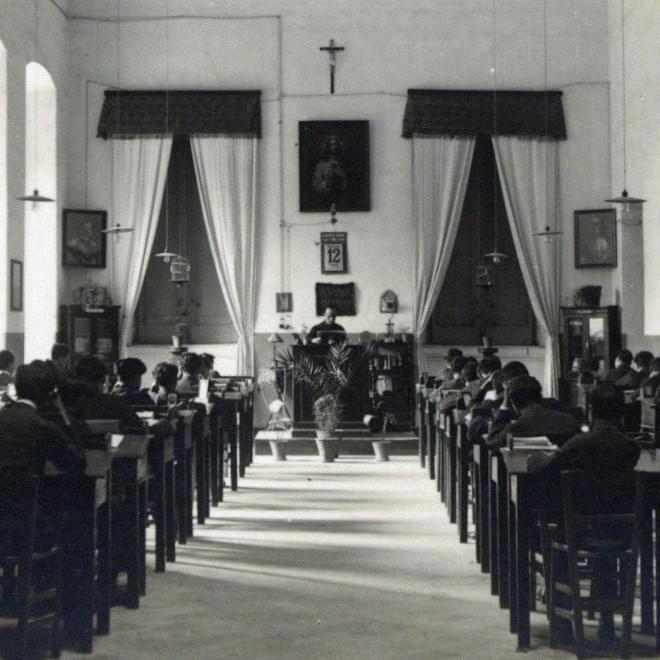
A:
[199, 304]
[474, 302]
[40, 300]
[4, 262]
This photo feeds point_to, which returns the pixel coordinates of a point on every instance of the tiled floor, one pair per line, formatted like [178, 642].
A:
[354, 559]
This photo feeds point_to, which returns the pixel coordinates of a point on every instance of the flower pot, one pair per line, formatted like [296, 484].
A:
[381, 450]
[328, 445]
[278, 449]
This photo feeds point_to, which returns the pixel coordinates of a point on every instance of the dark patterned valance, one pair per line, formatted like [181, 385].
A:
[129, 113]
[456, 112]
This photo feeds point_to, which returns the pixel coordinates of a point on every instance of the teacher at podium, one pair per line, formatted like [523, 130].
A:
[327, 332]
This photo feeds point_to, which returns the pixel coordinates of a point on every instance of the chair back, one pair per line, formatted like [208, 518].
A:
[600, 507]
[19, 496]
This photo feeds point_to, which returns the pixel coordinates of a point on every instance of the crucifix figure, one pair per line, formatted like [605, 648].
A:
[332, 51]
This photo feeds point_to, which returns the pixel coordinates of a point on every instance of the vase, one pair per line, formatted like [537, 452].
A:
[327, 443]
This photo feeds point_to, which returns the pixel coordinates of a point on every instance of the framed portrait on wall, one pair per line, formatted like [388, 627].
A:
[595, 238]
[83, 238]
[334, 166]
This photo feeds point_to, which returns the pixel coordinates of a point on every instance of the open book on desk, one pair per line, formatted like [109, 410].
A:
[541, 442]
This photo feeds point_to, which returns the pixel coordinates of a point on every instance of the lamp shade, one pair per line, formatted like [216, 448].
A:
[274, 338]
[35, 197]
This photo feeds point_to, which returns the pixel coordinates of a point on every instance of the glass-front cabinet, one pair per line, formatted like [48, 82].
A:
[591, 338]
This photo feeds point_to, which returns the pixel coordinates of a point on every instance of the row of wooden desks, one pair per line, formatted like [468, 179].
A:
[503, 498]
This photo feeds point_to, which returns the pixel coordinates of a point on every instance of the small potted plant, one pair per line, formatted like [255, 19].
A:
[327, 379]
[326, 414]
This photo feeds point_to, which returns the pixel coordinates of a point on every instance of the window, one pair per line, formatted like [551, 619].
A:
[200, 304]
[466, 310]
[41, 253]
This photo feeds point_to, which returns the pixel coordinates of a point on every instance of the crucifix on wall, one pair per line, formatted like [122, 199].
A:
[332, 51]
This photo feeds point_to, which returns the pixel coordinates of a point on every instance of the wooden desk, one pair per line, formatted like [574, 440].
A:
[88, 497]
[185, 459]
[480, 494]
[462, 479]
[129, 476]
[430, 424]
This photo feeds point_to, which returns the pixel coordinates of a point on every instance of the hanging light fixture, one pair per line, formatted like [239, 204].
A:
[495, 256]
[117, 230]
[624, 199]
[36, 197]
[548, 233]
[166, 255]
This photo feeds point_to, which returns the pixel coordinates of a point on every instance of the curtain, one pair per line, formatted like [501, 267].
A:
[529, 175]
[226, 170]
[441, 169]
[140, 171]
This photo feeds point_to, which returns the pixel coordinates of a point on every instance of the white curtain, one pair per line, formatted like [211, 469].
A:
[226, 170]
[140, 171]
[529, 174]
[441, 168]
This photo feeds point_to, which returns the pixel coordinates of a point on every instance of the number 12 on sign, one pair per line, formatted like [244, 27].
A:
[334, 258]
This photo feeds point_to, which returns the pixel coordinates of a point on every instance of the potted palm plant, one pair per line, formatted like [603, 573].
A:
[327, 378]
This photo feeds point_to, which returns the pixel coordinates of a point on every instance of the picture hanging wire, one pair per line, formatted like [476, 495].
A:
[548, 233]
[35, 197]
[495, 256]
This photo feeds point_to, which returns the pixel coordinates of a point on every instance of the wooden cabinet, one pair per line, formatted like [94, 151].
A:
[392, 382]
[590, 340]
[91, 332]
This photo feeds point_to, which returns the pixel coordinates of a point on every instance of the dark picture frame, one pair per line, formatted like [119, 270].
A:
[83, 238]
[595, 238]
[334, 252]
[16, 285]
[334, 166]
[284, 302]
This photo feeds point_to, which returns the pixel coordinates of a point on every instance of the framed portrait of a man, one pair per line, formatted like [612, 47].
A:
[83, 238]
[595, 238]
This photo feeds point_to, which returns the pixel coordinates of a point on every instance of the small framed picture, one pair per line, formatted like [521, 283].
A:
[595, 238]
[284, 302]
[16, 286]
[83, 238]
[333, 252]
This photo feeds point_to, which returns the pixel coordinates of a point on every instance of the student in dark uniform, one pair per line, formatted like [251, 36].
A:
[328, 331]
[651, 384]
[533, 417]
[6, 368]
[623, 375]
[129, 386]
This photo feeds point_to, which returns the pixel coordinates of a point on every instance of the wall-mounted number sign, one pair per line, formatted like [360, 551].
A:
[334, 258]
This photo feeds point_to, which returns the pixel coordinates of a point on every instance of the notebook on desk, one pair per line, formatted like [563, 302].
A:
[540, 442]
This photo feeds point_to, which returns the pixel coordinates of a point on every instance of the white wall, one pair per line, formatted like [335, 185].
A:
[640, 297]
[390, 46]
[17, 32]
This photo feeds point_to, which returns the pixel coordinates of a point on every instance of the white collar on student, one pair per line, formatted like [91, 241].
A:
[27, 402]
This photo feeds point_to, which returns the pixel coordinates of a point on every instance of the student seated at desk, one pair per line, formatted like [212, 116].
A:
[488, 367]
[27, 440]
[455, 382]
[623, 375]
[6, 368]
[208, 362]
[602, 450]
[533, 417]
[642, 364]
[448, 372]
[92, 403]
[129, 383]
[651, 383]
[166, 376]
[470, 386]
[191, 369]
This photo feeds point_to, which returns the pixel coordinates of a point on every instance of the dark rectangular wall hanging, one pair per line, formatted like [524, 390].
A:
[83, 238]
[339, 296]
[334, 166]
